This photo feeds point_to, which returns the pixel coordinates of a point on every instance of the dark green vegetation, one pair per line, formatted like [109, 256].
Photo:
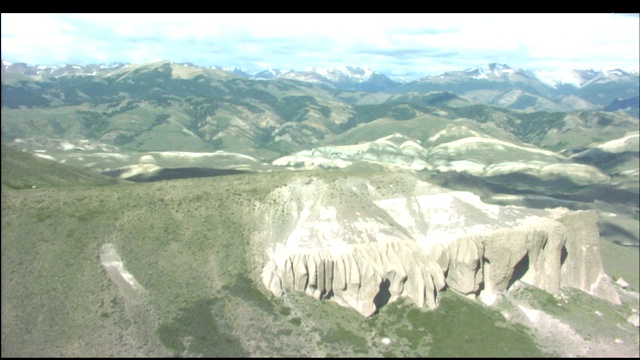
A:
[206, 337]
[458, 328]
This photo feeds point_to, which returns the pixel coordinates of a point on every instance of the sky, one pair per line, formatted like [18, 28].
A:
[398, 45]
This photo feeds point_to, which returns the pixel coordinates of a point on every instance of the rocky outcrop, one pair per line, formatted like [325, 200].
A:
[364, 278]
[113, 265]
[365, 243]
[583, 270]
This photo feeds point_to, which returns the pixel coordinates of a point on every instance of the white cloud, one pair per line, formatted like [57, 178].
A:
[390, 43]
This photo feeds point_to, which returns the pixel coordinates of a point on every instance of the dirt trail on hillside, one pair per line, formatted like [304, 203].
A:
[559, 339]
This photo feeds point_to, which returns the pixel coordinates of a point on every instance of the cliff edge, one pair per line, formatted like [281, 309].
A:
[365, 242]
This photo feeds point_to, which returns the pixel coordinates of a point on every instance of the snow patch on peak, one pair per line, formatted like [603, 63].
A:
[270, 73]
[487, 68]
[336, 73]
[616, 73]
[481, 72]
[556, 78]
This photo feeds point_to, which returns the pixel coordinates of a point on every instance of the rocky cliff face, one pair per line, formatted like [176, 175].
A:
[364, 243]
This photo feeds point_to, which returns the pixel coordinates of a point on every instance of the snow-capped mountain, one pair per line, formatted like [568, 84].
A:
[344, 73]
[57, 70]
[341, 77]
[493, 83]
[489, 70]
[492, 71]
[580, 78]
[529, 90]
[270, 74]
[235, 71]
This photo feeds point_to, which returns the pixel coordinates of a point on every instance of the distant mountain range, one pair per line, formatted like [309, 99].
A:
[565, 90]
[166, 110]
[343, 77]
[494, 84]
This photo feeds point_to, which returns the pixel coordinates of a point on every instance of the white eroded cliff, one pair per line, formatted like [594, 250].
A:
[365, 242]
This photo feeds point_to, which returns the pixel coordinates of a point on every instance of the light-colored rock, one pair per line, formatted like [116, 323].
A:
[634, 320]
[364, 246]
[582, 267]
[113, 265]
[623, 284]
[355, 278]
[465, 266]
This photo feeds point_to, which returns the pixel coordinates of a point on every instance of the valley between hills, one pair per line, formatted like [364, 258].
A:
[165, 209]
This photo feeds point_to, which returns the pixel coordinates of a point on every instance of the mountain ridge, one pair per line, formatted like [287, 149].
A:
[549, 84]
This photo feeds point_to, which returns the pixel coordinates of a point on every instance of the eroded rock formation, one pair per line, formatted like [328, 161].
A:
[366, 242]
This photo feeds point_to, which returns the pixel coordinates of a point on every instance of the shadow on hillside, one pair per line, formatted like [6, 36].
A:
[618, 234]
[177, 173]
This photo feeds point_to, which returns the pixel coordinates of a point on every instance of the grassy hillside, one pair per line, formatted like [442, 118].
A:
[188, 244]
[21, 170]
